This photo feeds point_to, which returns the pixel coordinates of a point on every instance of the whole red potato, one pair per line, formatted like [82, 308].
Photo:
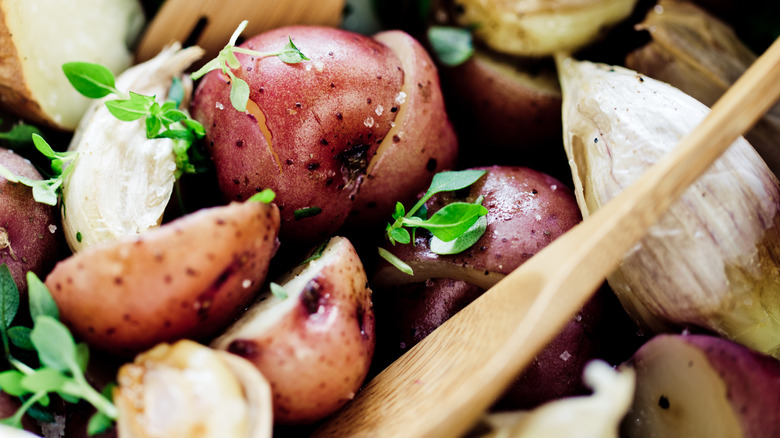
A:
[312, 130]
[29, 230]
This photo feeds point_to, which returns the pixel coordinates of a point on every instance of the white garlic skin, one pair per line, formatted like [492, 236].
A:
[713, 260]
[122, 181]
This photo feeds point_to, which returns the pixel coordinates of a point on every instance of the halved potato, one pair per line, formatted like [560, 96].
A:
[315, 344]
[37, 37]
[188, 278]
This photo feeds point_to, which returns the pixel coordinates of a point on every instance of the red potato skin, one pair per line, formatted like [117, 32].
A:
[30, 238]
[311, 128]
[188, 278]
[421, 143]
[319, 354]
[527, 210]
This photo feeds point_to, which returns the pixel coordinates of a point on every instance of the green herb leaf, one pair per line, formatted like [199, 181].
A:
[316, 252]
[55, 345]
[20, 336]
[400, 235]
[278, 291]
[290, 54]
[176, 92]
[20, 135]
[45, 380]
[400, 211]
[131, 109]
[41, 301]
[450, 221]
[82, 356]
[462, 242]
[451, 181]
[9, 294]
[266, 196]
[239, 93]
[11, 383]
[307, 212]
[452, 45]
[395, 261]
[98, 423]
[91, 80]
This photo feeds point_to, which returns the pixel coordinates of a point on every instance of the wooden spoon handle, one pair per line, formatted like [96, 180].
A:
[442, 385]
[217, 19]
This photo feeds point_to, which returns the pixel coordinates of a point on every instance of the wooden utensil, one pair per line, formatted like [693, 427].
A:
[209, 23]
[442, 385]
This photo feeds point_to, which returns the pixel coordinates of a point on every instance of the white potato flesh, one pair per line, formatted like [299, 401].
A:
[41, 35]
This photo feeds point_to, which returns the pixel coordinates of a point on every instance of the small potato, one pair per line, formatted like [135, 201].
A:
[37, 37]
[316, 344]
[703, 386]
[527, 209]
[510, 104]
[30, 236]
[310, 128]
[188, 278]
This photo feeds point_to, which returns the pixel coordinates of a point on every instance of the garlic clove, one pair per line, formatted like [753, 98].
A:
[702, 56]
[121, 181]
[713, 260]
[187, 390]
[540, 28]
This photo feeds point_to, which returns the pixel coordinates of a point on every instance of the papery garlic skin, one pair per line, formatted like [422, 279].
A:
[713, 260]
[187, 390]
[540, 27]
[122, 181]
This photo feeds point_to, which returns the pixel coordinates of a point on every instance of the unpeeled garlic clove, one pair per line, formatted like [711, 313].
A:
[713, 260]
[187, 390]
[122, 181]
[540, 28]
[702, 56]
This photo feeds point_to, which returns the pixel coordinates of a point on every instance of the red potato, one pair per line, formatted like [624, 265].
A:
[311, 128]
[315, 345]
[314, 130]
[703, 386]
[527, 209]
[510, 103]
[421, 142]
[30, 236]
[188, 278]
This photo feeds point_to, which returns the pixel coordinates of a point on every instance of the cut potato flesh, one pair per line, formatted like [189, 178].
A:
[37, 37]
[679, 394]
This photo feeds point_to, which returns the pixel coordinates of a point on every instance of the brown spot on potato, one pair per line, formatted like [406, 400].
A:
[430, 166]
[118, 281]
[244, 348]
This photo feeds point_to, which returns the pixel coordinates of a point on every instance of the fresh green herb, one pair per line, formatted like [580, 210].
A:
[79, 236]
[395, 261]
[307, 212]
[452, 45]
[316, 252]
[45, 191]
[266, 196]
[61, 361]
[455, 227]
[161, 121]
[19, 136]
[278, 291]
[226, 61]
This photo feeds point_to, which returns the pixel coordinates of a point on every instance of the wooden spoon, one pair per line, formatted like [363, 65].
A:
[209, 23]
[442, 385]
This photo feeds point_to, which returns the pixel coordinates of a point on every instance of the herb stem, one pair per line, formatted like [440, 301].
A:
[16, 419]
[21, 366]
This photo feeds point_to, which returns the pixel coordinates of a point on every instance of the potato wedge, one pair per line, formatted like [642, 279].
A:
[37, 37]
[188, 278]
[316, 344]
